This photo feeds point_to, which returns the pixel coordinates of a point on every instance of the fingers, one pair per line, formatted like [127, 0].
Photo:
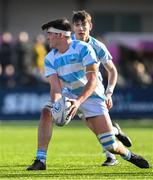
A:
[109, 104]
[74, 107]
[73, 110]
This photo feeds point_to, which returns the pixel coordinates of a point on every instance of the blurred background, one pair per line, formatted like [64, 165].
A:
[125, 27]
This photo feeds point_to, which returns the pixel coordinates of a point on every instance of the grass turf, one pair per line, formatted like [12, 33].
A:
[74, 152]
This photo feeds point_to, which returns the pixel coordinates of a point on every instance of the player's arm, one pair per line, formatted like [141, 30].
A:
[112, 79]
[55, 87]
[91, 75]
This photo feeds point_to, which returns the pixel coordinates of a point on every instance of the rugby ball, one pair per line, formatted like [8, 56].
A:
[60, 111]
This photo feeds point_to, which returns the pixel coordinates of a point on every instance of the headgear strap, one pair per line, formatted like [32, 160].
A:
[54, 30]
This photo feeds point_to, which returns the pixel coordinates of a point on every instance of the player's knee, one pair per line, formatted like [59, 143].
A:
[45, 114]
[108, 141]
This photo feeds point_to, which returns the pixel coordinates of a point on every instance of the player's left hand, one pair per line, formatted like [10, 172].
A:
[74, 107]
[109, 102]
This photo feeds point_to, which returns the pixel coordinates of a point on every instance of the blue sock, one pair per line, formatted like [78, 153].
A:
[127, 156]
[41, 155]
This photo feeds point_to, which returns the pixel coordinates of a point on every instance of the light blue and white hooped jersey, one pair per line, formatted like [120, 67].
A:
[102, 53]
[71, 67]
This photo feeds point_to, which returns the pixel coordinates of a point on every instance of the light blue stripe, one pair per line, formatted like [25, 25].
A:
[73, 37]
[128, 156]
[84, 52]
[108, 143]
[100, 49]
[101, 53]
[72, 77]
[74, 43]
[48, 64]
[79, 90]
[41, 154]
[102, 137]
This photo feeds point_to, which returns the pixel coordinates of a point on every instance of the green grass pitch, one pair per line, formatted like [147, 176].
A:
[74, 152]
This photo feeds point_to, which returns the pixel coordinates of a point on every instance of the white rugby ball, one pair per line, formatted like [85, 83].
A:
[60, 111]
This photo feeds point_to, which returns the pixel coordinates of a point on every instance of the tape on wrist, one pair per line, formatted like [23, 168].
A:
[110, 89]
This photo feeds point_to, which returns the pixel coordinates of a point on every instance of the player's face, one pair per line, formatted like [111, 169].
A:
[82, 30]
[52, 39]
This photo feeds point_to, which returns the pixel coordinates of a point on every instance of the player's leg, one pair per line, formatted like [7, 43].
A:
[44, 136]
[103, 129]
[104, 132]
[110, 158]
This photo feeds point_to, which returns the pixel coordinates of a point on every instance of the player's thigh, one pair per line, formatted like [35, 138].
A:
[97, 115]
[100, 124]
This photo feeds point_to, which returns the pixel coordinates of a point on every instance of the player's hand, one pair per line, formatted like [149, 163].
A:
[74, 107]
[109, 101]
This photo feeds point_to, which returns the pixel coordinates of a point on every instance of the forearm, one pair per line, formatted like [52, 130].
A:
[55, 95]
[55, 88]
[88, 89]
[112, 77]
[112, 80]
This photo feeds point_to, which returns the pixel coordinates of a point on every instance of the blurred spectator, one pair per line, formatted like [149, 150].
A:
[23, 60]
[6, 51]
[134, 67]
[9, 78]
[140, 75]
[148, 62]
[39, 53]
[23, 54]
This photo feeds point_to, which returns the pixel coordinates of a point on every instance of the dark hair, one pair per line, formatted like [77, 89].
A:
[62, 24]
[81, 16]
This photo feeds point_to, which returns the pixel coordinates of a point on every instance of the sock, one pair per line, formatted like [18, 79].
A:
[41, 155]
[127, 156]
[108, 154]
[115, 130]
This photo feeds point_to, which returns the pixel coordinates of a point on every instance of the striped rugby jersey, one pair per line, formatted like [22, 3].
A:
[71, 67]
[100, 49]
[102, 53]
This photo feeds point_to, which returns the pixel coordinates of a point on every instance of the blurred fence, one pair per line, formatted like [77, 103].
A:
[26, 104]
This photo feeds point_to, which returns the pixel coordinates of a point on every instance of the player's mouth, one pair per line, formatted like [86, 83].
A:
[81, 33]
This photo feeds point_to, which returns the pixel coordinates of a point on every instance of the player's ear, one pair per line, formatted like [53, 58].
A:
[91, 25]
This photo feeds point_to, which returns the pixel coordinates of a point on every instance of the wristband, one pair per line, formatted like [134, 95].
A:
[110, 89]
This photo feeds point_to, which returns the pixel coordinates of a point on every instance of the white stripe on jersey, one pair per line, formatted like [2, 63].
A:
[71, 68]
